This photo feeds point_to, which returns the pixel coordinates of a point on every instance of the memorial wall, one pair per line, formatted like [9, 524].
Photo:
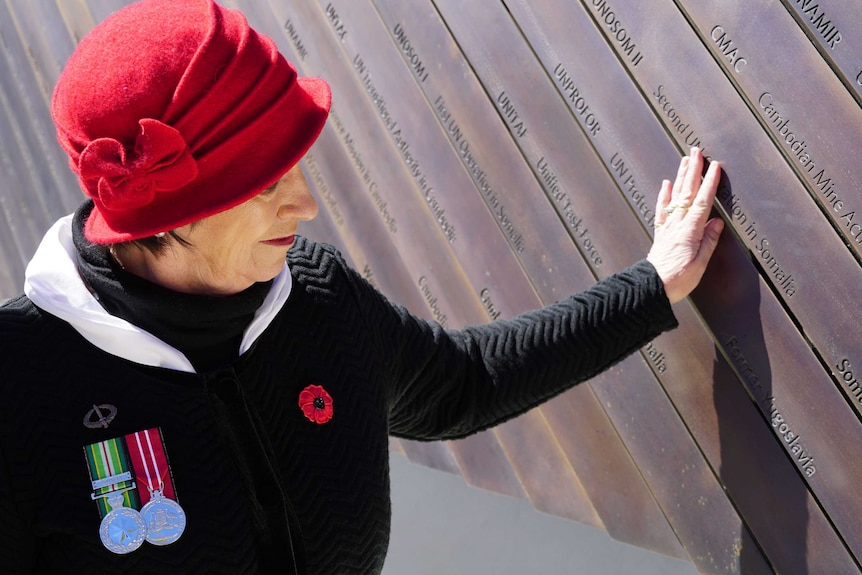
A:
[486, 157]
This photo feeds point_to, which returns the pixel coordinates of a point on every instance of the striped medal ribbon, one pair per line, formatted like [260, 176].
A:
[165, 519]
[122, 529]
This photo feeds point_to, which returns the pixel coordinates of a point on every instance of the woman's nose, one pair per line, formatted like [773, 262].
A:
[298, 202]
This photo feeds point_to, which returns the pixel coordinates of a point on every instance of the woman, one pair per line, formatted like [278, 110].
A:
[231, 385]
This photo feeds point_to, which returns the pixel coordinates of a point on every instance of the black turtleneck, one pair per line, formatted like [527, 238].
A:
[208, 330]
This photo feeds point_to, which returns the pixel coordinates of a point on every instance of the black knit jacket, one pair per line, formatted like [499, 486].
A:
[265, 490]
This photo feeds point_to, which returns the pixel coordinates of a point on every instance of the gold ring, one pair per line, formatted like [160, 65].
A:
[656, 225]
[681, 206]
[669, 210]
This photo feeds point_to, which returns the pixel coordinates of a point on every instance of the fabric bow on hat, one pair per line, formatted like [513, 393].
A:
[224, 116]
[161, 162]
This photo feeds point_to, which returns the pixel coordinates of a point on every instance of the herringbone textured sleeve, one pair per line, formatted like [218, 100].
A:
[448, 384]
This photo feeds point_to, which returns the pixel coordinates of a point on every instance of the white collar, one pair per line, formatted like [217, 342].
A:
[52, 282]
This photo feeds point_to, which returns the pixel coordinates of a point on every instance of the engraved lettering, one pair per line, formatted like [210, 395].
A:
[827, 188]
[728, 49]
[379, 202]
[849, 379]
[802, 458]
[859, 78]
[478, 175]
[403, 146]
[825, 28]
[782, 428]
[676, 121]
[618, 32]
[575, 223]
[794, 143]
[492, 310]
[854, 229]
[799, 148]
[410, 53]
[573, 94]
[785, 280]
[782, 276]
[432, 301]
[337, 23]
[323, 190]
[735, 209]
[656, 357]
[516, 239]
[751, 231]
[507, 109]
[745, 370]
[627, 181]
[301, 50]
[359, 64]
[439, 214]
[376, 98]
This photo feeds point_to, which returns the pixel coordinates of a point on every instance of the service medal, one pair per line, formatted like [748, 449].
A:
[122, 530]
[165, 519]
[114, 465]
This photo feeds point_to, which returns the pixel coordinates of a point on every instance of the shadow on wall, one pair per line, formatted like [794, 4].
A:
[751, 468]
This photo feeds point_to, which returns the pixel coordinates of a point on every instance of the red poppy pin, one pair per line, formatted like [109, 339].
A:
[316, 404]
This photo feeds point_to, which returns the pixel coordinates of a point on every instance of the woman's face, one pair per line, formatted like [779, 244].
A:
[233, 249]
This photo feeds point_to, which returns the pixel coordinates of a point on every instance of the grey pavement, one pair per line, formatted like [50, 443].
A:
[442, 526]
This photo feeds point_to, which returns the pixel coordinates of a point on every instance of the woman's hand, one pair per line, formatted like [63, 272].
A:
[684, 239]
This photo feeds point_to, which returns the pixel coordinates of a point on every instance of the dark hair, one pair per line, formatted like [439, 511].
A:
[158, 244]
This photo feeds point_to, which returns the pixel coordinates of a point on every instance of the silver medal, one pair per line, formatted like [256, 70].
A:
[123, 529]
[165, 519]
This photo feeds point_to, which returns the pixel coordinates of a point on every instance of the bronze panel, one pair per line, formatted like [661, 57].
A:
[736, 433]
[578, 162]
[834, 28]
[488, 265]
[544, 248]
[371, 251]
[626, 120]
[100, 9]
[23, 149]
[766, 200]
[389, 189]
[77, 18]
[366, 241]
[16, 240]
[42, 29]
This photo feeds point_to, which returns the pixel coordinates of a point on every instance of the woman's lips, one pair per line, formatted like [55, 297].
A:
[281, 242]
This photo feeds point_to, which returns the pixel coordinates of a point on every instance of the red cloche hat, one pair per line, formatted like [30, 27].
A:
[174, 110]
